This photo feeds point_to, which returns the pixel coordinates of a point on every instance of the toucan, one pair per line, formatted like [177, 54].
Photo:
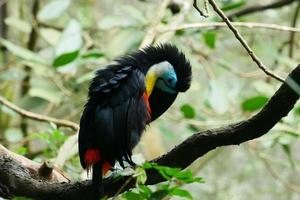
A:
[123, 98]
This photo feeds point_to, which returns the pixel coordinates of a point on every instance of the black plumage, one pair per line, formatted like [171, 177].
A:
[117, 110]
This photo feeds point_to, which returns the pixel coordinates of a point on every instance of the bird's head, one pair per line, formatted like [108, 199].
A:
[167, 72]
[163, 76]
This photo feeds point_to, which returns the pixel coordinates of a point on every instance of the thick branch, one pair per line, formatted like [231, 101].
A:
[15, 180]
[258, 8]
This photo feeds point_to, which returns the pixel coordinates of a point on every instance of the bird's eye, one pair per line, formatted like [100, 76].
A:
[170, 80]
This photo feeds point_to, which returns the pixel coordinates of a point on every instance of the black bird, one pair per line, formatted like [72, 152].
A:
[123, 98]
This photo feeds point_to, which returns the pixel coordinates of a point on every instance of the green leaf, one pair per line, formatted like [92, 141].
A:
[92, 54]
[188, 111]
[199, 180]
[181, 193]
[22, 150]
[297, 110]
[158, 195]
[18, 24]
[148, 165]
[210, 38]
[65, 58]
[254, 103]
[145, 190]
[184, 175]
[233, 5]
[69, 44]
[22, 52]
[53, 10]
[132, 196]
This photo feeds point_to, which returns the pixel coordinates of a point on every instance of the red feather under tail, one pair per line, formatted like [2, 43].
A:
[93, 156]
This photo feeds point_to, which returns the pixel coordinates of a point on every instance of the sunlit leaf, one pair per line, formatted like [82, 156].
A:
[254, 103]
[53, 10]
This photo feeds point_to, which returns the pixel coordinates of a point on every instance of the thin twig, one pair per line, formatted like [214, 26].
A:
[38, 117]
[244, 43]
[237, 24]
[203, 14]
[292, 35]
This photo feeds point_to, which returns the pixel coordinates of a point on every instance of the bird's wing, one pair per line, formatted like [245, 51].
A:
[115, 115]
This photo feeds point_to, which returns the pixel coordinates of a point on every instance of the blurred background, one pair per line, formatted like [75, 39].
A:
[51, 48]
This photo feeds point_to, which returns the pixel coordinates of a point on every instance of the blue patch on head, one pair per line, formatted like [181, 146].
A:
[167, 81]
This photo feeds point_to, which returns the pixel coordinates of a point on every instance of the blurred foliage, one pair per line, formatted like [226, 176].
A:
[75, 38]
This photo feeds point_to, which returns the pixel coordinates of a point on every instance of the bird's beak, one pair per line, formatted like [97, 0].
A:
[150, 82]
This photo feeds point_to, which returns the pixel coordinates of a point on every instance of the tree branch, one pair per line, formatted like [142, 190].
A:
[243, 42]
[38, 117]
[236, 24]
[15, 179]
[257, 8]
[203, 14]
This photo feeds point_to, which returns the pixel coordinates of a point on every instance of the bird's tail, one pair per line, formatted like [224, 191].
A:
[97, 180]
